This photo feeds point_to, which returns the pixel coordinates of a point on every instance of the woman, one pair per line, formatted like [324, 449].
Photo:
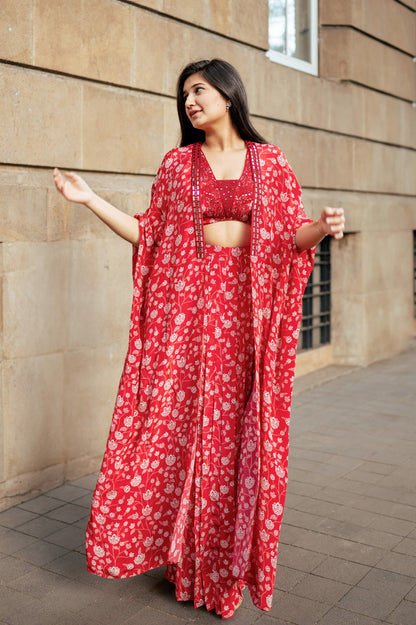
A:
[195, 470]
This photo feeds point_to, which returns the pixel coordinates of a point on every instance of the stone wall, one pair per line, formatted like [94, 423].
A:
[89, 85]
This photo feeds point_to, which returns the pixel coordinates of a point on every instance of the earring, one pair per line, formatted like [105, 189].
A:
[228, 106]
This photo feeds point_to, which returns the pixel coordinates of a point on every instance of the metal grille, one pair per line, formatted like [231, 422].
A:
[316, 305]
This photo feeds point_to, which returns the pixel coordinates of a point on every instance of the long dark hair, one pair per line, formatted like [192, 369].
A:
[225, 78]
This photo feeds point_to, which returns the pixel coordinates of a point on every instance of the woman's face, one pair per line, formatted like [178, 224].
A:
[204, 105]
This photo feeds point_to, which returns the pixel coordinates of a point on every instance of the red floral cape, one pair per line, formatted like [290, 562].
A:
[142, 495]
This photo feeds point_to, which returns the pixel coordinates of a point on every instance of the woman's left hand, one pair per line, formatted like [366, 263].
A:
[332, 221]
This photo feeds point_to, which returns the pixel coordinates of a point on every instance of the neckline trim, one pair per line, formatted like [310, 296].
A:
[253, 154]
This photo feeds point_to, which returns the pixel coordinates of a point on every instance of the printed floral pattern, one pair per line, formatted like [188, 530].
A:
[151, 496]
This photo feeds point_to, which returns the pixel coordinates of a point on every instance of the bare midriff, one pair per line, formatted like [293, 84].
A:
[229, 233]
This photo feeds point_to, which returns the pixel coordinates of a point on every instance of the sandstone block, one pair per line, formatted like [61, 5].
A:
[171, 135]
[214, 15]
[275, 90]
[389, 21]
[381, 168]
[40, 118]
[23, 213]
[348, 323]
[342, 51]
[387, 276]
[16, 31]
[158, 67]
[91, 380]
[100, 292]
[121, 130]
[96, 38]
[35, 298]
[298, 145]
[334, 155]
[389, 323]
[250, 22]
[33, 403]
[247, 22]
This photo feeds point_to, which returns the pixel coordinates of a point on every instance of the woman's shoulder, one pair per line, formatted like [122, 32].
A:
[268, 150]
[273, 157]
[175, 157]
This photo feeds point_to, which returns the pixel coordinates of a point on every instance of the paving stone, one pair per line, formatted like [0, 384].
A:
[269, 620]
[307, 476]
[342, 548]
[298, 610]
[404, 614]
[369, 602]
[321, 589]
[382, 468]
[76, 597]
[398, 563]
[84, 501]
[337, 616]
[351, 486]
[290, 534]
[411, 596]
[87, 481]
[68, 513]
[303, 488]
[13, 517]
[40, 553]
[37, 583]
[41, 504]
[387, 582]
[287, 578]
[407, 546]
[341, 570]
[300, 559]
[12, 541]
[69, 537]
[345, 462]
[113, 609]
[41, 527]
[303, 519]
[68, 492]
[148, 616]
[366, 536]
[83, 522]
[12, 568]
[70, 565]
[392, 525]
[15, 606]
[361, 475]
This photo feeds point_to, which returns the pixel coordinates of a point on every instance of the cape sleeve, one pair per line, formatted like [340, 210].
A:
[152, 221]
[304, 260]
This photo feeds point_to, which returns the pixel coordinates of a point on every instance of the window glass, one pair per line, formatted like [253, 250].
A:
[293, 33]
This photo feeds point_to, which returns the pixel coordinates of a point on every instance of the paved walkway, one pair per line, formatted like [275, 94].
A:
[348, 543]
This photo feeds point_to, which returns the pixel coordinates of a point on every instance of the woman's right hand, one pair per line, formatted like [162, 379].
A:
[72, 187]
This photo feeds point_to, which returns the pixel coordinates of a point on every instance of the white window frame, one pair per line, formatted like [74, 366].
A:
[304, 66]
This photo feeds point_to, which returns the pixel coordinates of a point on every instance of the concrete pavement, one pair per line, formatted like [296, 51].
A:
[348, 544]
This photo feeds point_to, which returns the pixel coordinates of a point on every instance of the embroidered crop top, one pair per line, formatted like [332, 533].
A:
[226, 199]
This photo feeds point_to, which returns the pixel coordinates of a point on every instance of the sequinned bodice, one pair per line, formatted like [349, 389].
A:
[226, 199]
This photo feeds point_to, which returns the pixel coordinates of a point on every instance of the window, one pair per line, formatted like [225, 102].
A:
[316, 305]
[293, 33]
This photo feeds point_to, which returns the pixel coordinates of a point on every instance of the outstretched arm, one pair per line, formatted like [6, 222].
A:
[331, 222]
[75, 189]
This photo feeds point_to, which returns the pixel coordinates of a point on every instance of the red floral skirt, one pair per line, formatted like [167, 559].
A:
[204, 574]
